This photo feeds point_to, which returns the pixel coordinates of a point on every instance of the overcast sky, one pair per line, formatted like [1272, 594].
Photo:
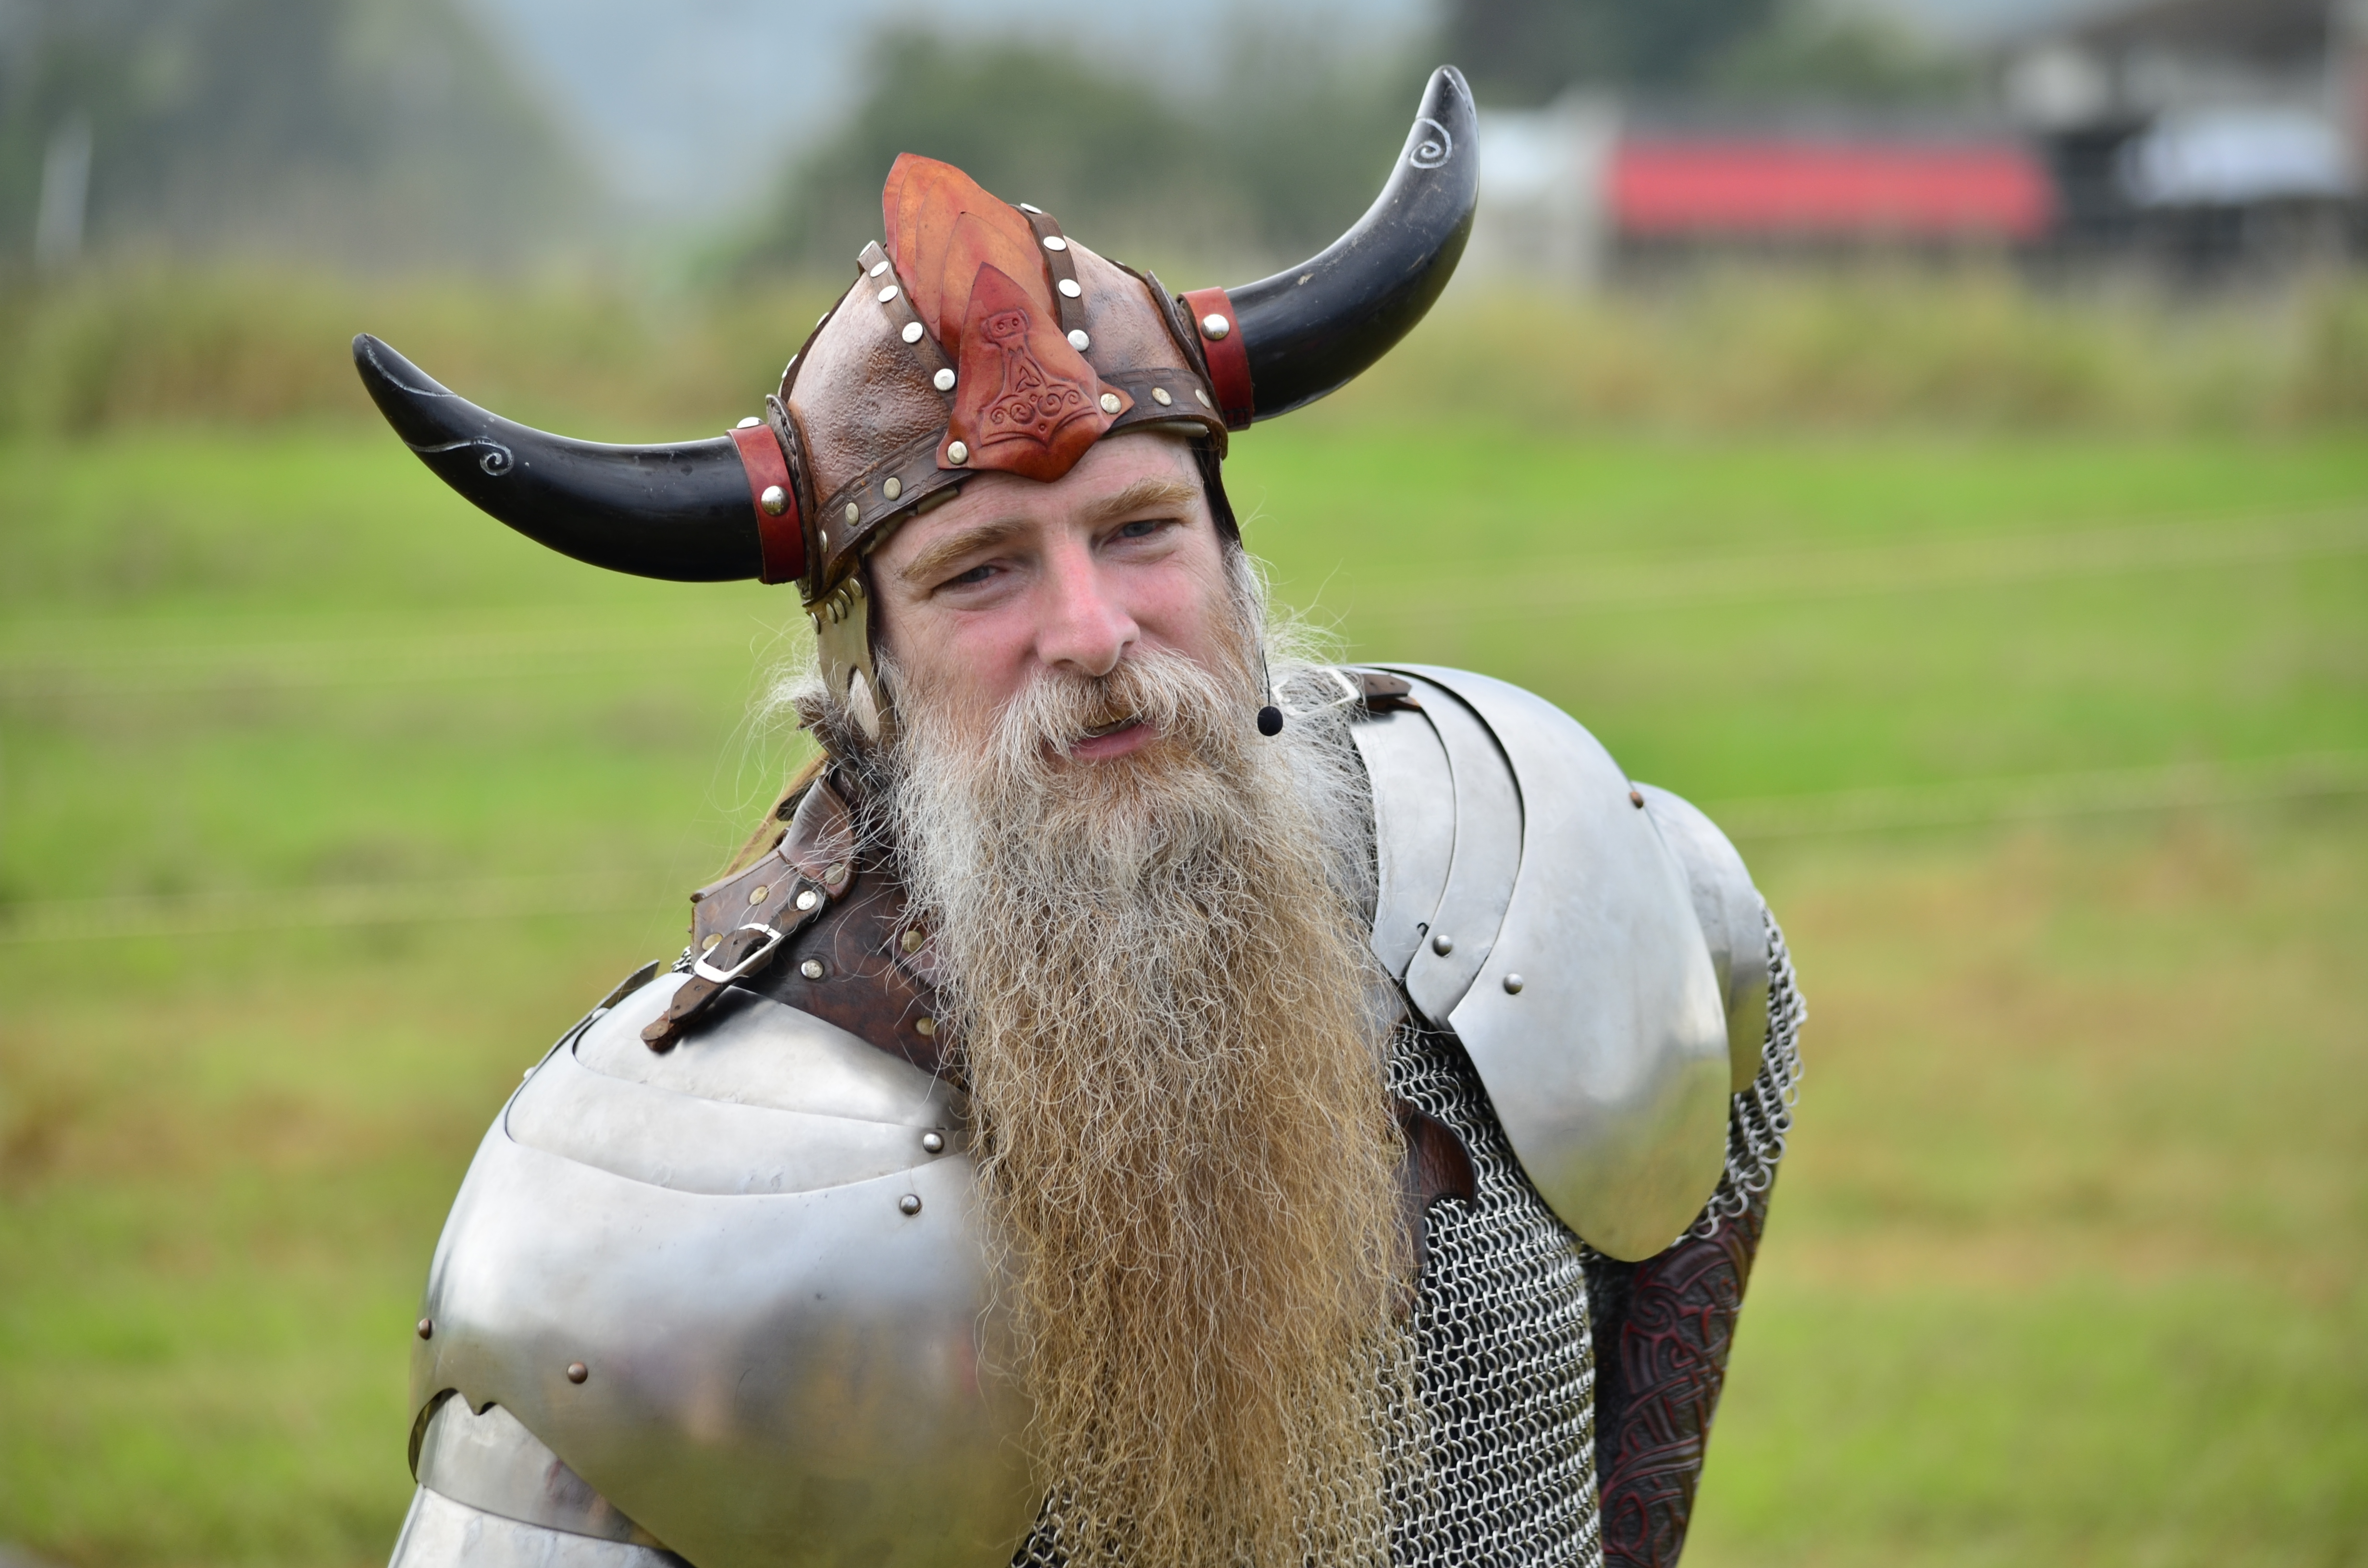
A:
[690, 107]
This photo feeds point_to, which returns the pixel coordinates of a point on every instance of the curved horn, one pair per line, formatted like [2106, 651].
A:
[679, 512]
[1309, 330]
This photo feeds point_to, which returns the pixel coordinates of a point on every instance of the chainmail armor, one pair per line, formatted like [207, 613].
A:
[1761, 1116]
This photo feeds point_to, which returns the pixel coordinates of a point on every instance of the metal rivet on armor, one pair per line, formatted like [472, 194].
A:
[853, 512]
[879, 267]
[427, 1328]
[1109, 402]
[1214, 327]
[1205, 398]
[1513, 983]
[810, 968]
[1442, 944]
[709, 945]
[912, 940]
[1159, 395]
[808, 899]
[1069, 288]
[943, 381]
[1026, 207]
[1637, 798]
[1080, 341]
[935, 1142]
[748, 423]
[957, 454]
[577, 1371]
[911, 332]
[1054, 242]
[888, 294]
[926, 1027]
[835, 875]
[775, 500]
[892, 488]
[910, 1203]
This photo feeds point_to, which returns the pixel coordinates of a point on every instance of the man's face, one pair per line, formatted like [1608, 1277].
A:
[1014, 579]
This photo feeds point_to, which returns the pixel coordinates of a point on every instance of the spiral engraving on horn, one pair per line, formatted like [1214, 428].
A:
[496, 461]
[1436, 147]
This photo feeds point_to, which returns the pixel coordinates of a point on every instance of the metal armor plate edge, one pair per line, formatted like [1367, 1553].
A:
[1595, 1022]
[440, 1532]
[769, 1377]
[1414, 828]
[1729, 910]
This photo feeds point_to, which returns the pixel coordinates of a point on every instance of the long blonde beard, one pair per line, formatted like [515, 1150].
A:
[1187, 1153]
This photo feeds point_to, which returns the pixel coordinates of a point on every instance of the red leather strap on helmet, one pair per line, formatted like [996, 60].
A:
[1228, 355]
[778, 531]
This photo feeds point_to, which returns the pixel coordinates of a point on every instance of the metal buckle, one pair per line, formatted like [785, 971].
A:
[774, 938]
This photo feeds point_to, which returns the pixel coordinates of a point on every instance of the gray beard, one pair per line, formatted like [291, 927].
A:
[1155, 971]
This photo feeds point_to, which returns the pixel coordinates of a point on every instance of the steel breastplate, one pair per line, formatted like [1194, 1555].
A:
[737, 1291]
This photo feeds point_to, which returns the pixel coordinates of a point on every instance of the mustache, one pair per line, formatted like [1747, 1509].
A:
[1186, 701]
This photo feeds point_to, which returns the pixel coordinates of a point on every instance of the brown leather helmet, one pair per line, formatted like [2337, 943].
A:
[976, 337]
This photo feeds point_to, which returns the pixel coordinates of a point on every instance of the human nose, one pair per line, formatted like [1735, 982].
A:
[1082, 626]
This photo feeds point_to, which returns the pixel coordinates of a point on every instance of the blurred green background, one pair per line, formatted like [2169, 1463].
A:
[2017, 630]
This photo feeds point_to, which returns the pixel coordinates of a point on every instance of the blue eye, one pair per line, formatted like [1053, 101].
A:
[1144, 530]
[975, 574]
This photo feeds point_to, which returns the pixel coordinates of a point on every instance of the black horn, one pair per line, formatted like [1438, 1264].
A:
[1309, 330]
[680, 512]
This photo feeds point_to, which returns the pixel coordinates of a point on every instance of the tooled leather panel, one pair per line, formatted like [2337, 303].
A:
[1663, 1330]
[1122, 316]
[861, 394]
[869, 983]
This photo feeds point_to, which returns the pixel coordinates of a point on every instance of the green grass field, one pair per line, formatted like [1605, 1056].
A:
[325, 803]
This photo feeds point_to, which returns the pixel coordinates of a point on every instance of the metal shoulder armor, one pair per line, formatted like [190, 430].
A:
[725, 1302]
[1585, 939]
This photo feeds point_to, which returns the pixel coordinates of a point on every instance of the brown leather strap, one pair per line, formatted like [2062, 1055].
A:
[743, 926]
[738, 957]
[1061, 267]
[1433, 1165]
[781, 535]
[1228, 355]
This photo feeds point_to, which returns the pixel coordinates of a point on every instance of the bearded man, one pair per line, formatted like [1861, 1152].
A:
[1149, 1097]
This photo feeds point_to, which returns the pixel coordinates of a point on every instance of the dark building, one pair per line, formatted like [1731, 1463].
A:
[2207, 133]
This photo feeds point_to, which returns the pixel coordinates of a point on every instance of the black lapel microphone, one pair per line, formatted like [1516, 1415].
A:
[1269, 718]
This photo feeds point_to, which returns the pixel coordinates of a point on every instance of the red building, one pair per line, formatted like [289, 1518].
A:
[1713, 187]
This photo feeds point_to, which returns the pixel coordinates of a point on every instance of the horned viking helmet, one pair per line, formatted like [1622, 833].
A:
[978, 338]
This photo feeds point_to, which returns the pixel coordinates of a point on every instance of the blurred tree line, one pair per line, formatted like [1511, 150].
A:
[364, 131]
[1524, 52]
[1267, 162]
[1276, 152]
